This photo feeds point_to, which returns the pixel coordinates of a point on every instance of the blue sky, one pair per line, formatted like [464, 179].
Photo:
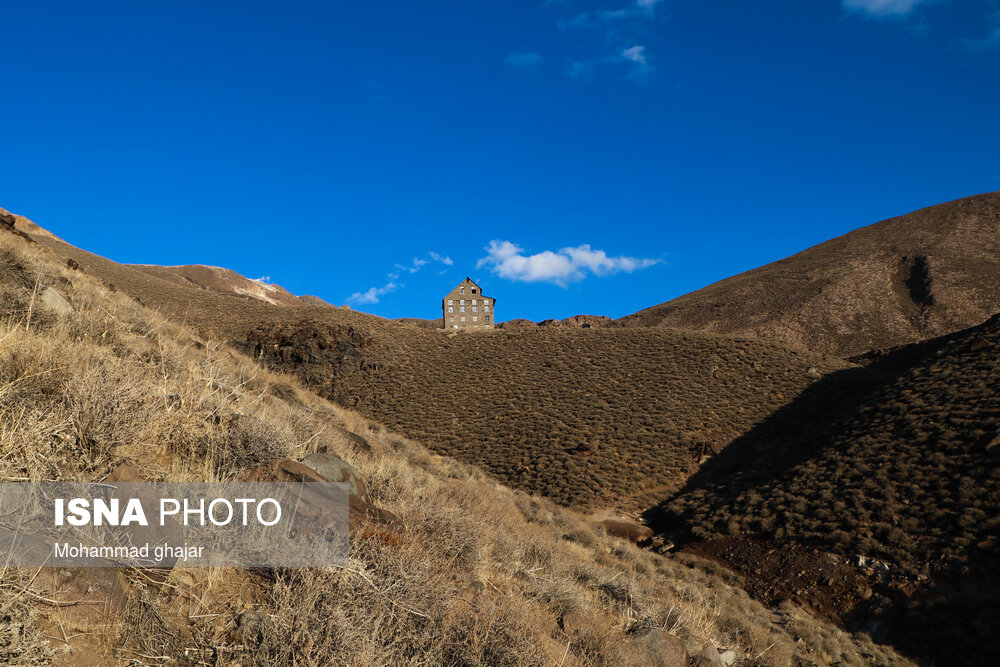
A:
[572, 156]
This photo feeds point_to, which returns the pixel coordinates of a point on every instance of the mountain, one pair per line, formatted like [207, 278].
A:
[895, 464]
[899, 281]
[590, 417]
[226, 281]
[95, 386]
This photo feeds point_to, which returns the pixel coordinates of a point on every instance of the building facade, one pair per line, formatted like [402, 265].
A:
[465, 307]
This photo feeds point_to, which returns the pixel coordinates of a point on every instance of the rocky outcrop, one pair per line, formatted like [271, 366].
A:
[587, 321]
[576, 322]
[7, 221]
[365, 518]
[662, 649]
[516, 324]
[56, 301]
[335, 469]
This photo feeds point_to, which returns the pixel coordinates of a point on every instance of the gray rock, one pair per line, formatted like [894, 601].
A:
[335, 469]
[728, 657]
[56, 301]
[662, 648]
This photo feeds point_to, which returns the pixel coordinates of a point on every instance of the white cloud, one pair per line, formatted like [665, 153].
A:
[882, 7]
[636, 57]
[567, 265]
[373, 294]
[262, 279]
[523, 59]
[636, 54]
[440, 258]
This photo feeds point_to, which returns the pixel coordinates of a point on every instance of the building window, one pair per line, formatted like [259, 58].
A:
[475, 309]
[486, 308]
[461, 290]
[463, 319]
[451, 309]
[456, 326]
[475, 319]
[473, 290]
[462, 308]
[451, 302]
[473, 302]
[461, 302]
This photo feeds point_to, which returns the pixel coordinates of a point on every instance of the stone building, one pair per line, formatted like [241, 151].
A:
[465, 307]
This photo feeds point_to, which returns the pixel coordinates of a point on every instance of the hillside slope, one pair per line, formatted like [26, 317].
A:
[227, 281]
[476, 574]
[899, 281]
[899, 462]
[599, 416]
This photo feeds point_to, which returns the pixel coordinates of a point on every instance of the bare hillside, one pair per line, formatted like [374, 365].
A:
[902, 280]
[586, 416]
[897, 462]
[93, 386]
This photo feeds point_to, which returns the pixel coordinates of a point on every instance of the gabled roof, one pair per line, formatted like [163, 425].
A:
[472, 282]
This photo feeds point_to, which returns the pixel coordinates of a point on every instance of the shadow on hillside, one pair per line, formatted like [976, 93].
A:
[772, 449]
[948, 616]
[794, 434]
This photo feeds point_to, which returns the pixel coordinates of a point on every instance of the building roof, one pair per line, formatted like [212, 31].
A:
[472, 282]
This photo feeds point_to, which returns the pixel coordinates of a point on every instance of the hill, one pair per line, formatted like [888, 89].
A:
[586, 416]
[896, 464]
[899, 281]
[93, 383]
[227, 281]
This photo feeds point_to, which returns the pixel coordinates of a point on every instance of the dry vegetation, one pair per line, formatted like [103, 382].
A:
[911, 278]
[898, 461]
[583, 416]
[482, 575]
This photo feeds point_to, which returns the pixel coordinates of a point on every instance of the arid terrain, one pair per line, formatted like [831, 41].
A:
[899, 281]
[815, 444]
[447, 565]
[896, 462]
[585, 416]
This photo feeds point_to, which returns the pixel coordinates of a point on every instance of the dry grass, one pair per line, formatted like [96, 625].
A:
[892, 461]
[483, 574]
[582, 416]
[586, 417]
[911, 278]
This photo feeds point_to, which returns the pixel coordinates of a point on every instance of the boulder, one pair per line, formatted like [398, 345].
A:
[626, 530]
[336, 469]
[662, 648]
[8, 223]
[366, 519]
[284, 470]
[550, 323]
[56, 301]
